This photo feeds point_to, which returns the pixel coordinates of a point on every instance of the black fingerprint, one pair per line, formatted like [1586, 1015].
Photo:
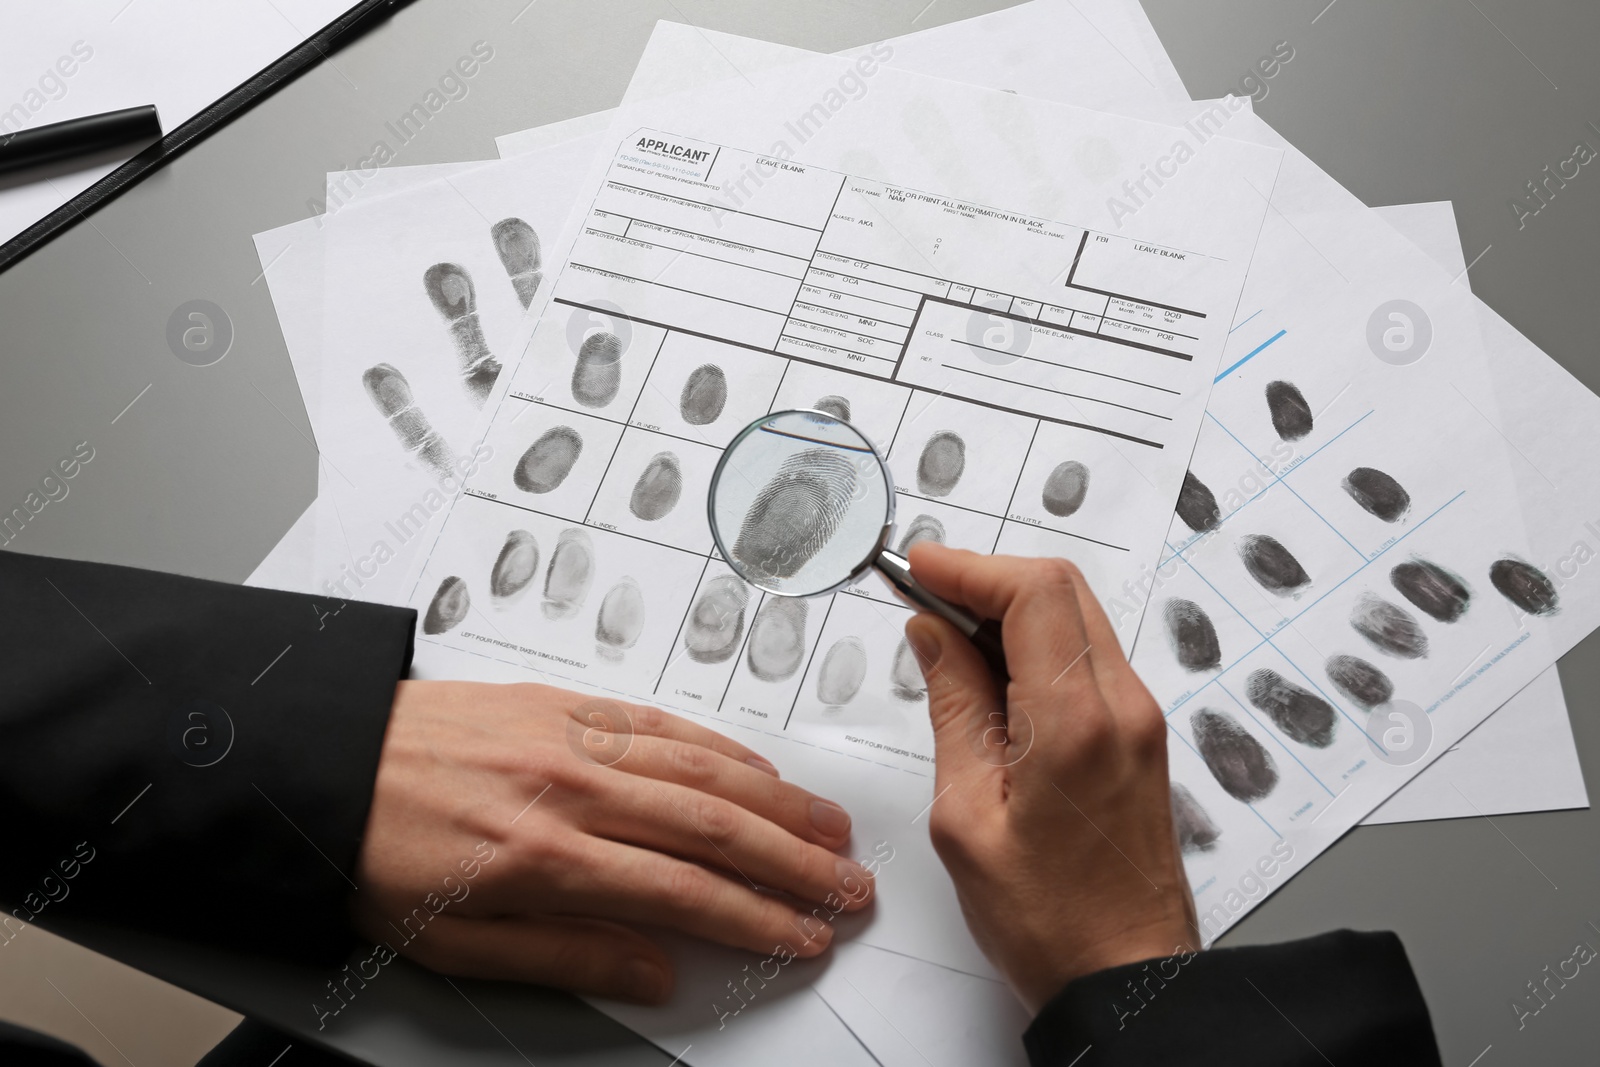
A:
[922, 528]
[837, 406]
[1525, 585]
[1291, 415]
[704, 393]
[548, 461]
[716, 622]
[943, 460]
[906, 681]
[1272, 565]
[1194, 639]
[1235, 758]
[598, 373]
[1298, 712]
[1432, 589]
[518, 246]
[777, 639]
[450, 288]
[566, 581]
[1197, 507]
[1065, 489]
[1390, 628]
[516, 565]
[621, 619]
[1359, 680]
[842, 672]
[795, 513]
[448, 608]
[1378, 493]
[1196, 832]
[391, 395]
[658, 488]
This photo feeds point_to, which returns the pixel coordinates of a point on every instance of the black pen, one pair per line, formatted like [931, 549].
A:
[78, 137]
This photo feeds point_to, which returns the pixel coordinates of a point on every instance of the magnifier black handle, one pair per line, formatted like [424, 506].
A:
[983, 633]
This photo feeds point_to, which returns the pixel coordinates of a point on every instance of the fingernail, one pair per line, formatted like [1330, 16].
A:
[763, 765]
[645, 980]
[925, 642]
[855, 884]
[830, 819]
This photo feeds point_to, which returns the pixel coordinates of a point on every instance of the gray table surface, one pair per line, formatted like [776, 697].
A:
[1465, 100]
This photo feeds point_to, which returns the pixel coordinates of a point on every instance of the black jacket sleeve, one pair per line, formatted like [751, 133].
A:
[1343, 997]
[188, 757]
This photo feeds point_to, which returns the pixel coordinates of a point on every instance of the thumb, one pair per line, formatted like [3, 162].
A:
[967, 713]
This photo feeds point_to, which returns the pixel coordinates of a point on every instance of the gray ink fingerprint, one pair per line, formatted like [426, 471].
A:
[716, 622]
[566, 581]
[518, 246]
[391, 395]
[1272, 565]
[837, 406]
[620, 621]
[548, 461]
[516, 565]
[1196, 832]
[448, 607]
[1359, 680]
[1378, 493]
[905, 675]
[704, 393]
[1298, 712]
[598, 373]
[1525, 585]
[777, 639]
[922, 528]
[1236, 759]
[1291, 415]
[1431, 589]
[943, 460]
[842, 672]
[1193, 638]
[1197, 507]
[795, 513]
[449, 286]
[1065, 489]
[1390, 628]
[659, 486]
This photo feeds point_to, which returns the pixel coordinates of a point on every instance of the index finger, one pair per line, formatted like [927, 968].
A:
[623, 719]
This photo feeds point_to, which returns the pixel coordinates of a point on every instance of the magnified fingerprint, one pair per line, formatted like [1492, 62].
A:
[705, 391]
[1196, 832]
[1291, 415]
[518, 246]
[1431, 589]
[922, 528]
[516, 565]
[621, 619]
[448, 607]
[1193, 638]
[795, 513]
[658, 488]
[1391, 629]
[905, 675]
[391, 395]
[1197, 507]
[777, 639]
[1525, 585]
[1272, 565]
[1298, 712]
[1378, 493]
[716, 622]
[598, 374]
[842, 672]
[1065, 489]
[1236, 759]
[449, 286]
[943, 460]
[548, 461]
[1359, 680]
[837, 406]
[566, 581]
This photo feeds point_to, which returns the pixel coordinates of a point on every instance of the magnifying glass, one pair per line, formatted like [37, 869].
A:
[801, 505]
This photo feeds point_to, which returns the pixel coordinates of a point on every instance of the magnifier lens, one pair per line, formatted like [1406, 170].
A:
[799, 503]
